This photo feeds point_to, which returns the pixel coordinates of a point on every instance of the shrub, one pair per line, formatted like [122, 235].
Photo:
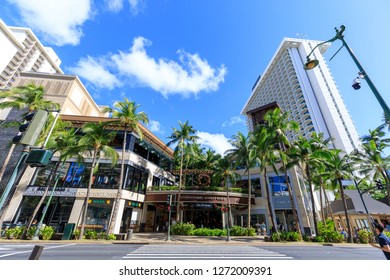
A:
[365, 236]
[276, 237]
[15, 232]
[327, 233]
[31, 231]
[202, 232]
[47, 232]
[76, 234]
[182, 228]
[91, 234]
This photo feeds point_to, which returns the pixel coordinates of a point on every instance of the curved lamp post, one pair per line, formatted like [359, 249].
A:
[312, 63]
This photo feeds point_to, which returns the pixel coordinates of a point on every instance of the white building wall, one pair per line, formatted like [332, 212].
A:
[311, 97]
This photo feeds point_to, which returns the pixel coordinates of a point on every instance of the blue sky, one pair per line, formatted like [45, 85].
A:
[197, 60]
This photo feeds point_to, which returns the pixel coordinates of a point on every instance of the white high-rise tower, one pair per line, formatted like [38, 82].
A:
[311, 97]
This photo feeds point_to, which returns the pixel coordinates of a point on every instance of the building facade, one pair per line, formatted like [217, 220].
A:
[146, 164]
[21, 51]
[314, 102]
[311, 97]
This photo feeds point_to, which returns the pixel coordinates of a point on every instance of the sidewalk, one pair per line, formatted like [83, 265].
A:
[161, 238]
[258, 240]
[144, 238]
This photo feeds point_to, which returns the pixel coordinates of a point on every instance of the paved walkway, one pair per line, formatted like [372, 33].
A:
[161, 238]
[157, 237]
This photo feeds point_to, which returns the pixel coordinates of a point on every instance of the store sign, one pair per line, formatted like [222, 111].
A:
[281, 202]
[39, 191]
[134, 204]
[100, 202]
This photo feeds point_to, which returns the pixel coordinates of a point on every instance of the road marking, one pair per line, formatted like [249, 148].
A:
[201, 252]
[29, 251]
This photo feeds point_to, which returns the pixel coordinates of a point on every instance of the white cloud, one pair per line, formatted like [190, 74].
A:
[95, 72]
[60, 22]
[234, 120]
[117, 5]
[168, 77]
[136, 6]
[154, 126]
[114, 5]
[218, 142]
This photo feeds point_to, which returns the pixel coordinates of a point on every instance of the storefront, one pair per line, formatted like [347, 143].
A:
[203, 209]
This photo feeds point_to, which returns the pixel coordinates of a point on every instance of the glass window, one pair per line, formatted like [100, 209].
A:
[97, 217]
[278, 186]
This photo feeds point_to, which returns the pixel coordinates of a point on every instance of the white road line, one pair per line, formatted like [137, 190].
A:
[29, 251]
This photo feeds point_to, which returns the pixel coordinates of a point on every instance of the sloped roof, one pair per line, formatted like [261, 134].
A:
[373, 206]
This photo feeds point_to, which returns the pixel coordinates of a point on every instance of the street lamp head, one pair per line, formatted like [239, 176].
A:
[310, 64]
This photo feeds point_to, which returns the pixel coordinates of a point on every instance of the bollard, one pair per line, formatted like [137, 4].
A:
[36, 252]
[129, 234]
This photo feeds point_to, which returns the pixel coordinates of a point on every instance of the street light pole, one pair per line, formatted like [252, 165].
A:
[310, 64]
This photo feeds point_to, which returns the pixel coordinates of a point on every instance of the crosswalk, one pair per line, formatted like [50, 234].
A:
[203, 252]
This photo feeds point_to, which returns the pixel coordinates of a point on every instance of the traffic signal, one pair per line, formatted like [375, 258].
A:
[39, 158]
[379, 184]
[30, 130]
[169, 199]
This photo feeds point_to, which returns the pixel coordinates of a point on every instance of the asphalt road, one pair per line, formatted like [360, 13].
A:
[79, 251]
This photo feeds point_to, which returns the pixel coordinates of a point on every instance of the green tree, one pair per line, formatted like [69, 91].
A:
[127, 116]
[374, 162]
[182, 136]
[302, 155]
[338, 168]
[224, 172]
[96, 140]
[65, 147]
[279, 125]
[264, 154]
[241, 155]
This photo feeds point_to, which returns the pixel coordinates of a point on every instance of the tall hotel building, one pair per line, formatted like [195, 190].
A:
[21, 51]
[313, 100]
[311, 97]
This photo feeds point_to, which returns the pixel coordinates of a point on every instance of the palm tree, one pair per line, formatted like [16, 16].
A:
[338, 168]
[182, 136]
[302, 154]
[374, 161]
[30, 97]
[224, 173]
[264, 154]
[240, 154]
[278, 124]
[65, 146]
[96, 140]
[127, 115]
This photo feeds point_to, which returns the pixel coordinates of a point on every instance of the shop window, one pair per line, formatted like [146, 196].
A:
[97, 217]
[278, 185]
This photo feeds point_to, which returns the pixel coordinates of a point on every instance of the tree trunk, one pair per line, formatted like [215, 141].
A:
[271, 212]
[49, 182]
[312, 200]
[178, 206]
[115, 212]
[292, 201]
[84, 216]
[249, 199]
[349, 239]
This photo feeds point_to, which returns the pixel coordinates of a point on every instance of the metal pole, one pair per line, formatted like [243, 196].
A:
[169, 224]
[363, 72]
[40, 223]
[51, 128]
[13, 177]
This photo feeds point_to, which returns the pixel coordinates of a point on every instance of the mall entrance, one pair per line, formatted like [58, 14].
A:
[202, 215]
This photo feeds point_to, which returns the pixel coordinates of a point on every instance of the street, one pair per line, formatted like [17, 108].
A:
[82, 251]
